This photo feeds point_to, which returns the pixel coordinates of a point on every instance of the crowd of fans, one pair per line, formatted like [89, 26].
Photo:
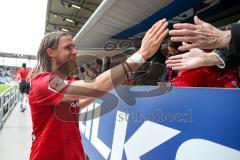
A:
[89, 72]
[7, 74]
[155, 70]
[192, 59]
[211, 57]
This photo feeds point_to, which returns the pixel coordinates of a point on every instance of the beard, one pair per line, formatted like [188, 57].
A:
[68, 68]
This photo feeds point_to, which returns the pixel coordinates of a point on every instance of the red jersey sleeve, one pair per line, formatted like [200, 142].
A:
[48, 89]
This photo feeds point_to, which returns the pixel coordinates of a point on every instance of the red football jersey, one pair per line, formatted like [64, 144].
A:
[56, 133]
[23, 74]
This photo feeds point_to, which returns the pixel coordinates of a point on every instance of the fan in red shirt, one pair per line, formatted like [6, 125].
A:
[211, 76]
[23, 86]
[207, 77]
[55, 98]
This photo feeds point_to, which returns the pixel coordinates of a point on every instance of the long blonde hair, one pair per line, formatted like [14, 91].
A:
[50, 40]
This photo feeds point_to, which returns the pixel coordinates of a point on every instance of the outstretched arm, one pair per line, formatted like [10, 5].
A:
[115, 76]
[200, 35]
[193, 59]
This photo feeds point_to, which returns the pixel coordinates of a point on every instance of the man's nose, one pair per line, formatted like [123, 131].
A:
[74, 52]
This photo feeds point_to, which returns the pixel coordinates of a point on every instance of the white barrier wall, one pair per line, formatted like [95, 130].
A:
[7, 102]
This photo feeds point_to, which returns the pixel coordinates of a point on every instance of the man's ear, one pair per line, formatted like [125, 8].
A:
[51, 53]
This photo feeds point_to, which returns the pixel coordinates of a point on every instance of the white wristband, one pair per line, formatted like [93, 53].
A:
[136, 57]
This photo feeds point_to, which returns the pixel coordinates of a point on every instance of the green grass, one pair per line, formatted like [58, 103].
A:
[3, 87]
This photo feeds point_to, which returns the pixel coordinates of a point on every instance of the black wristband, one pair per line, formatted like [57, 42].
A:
[125, 70]
[131, 73]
